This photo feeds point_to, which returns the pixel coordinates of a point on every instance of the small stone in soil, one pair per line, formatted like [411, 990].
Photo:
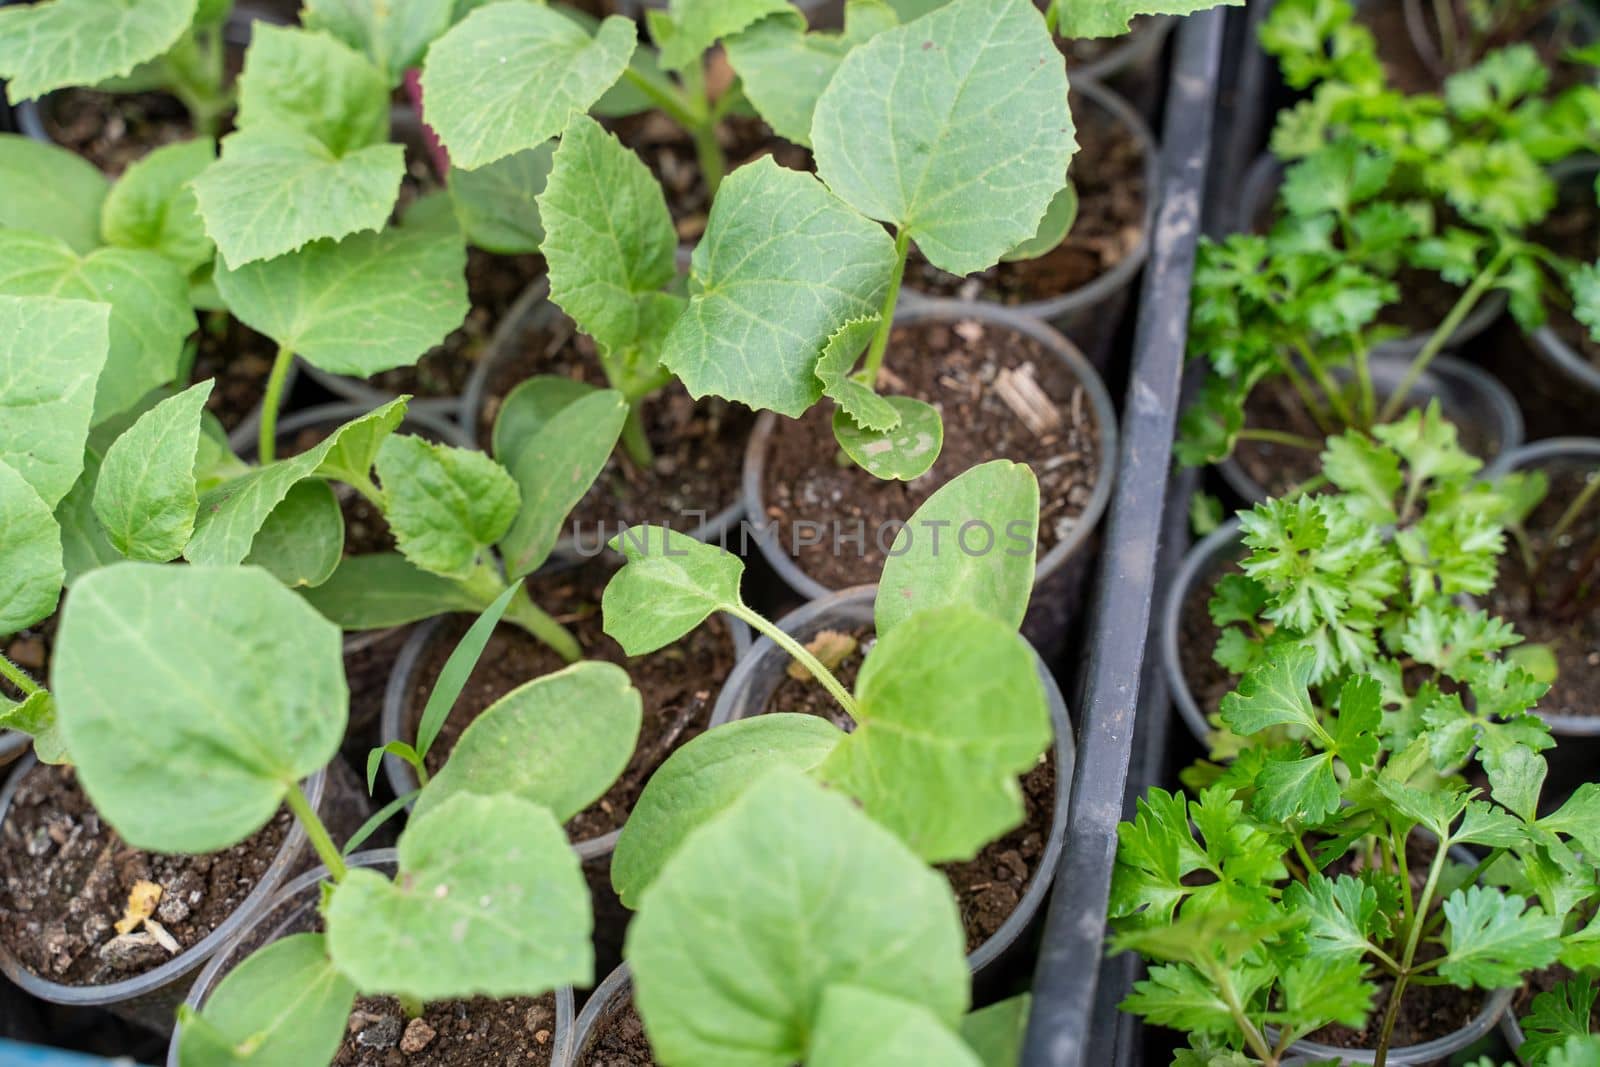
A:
[417, 1037]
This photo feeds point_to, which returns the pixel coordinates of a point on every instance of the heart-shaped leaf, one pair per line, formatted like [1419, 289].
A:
[153, 207]
[145, 494]
[52, 45]
[393, 36]
[699, 24]
[856, 1026]
[46, 189]
[385, 589]
[669, 585]
[497, 204]
[302, 540]
[905, 452]
[864, 407]
[529, 407]
[445, 504]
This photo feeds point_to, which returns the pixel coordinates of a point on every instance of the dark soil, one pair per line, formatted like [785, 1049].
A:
[479, 1032]
[239, 359]
[678, 684]
[1543, 982]
[1208, 680]
[953, 366]
[989, 886]
[618, 1040]
[1553, 618]
[1109, 172]
[1427, 1012]
[1411, 73]
[65, 876]
[114, 130]
[698, 445]
[1573, 230]
[1404, 68]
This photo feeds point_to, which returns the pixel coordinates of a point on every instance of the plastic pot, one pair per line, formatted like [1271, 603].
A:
[1132, 65]
[151, 999]
[1203, 562]
[767, 426]
[613, 992]
[1091, 313]
[751, 685]
[295, 911]
[1572, 366]
[1466, 395]
[1437, 1051]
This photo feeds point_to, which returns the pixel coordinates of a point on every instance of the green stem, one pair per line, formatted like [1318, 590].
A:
[1305, 857]
[868, 374]
[267, 435]
[664, 95]
[369, 491]
[528, 615]
[1330, 388]
[634, 439]
[800, 653]
[1391, 1011]
[1446, 330]
[1576, 508]
[1369, 396]
[410, 1005]
[1279, 437]
[1303, 389]
[708, 151]
[316, 833]
[18, 677]
[1230, 997]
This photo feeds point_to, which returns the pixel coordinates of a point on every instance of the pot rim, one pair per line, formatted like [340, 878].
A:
[1197, 563]
[1546, 342]
[1495, 1003]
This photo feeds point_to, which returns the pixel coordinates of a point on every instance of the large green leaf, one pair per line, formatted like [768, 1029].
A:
[954, 128]
[153, 206]
[302, 540]
[857, 1026]
[609, 240]
[368, 303]
[385, 589]
[489, 899]
[669, 585]
[701, 780]
[699, 24]
[949, 711]
[496, 204]
[783, 265]
[511, 75]
[284, 1006]
[145, 494]
[313, 83]
[30, 554]
[558, 741]
[46, 189]
[788, 892]
[393, 35]
[995, 1033]
[990, 519]
[445, 504]
[149, 298]
[58, 43]
[1112, 18]
[51, 353]
[193, 698]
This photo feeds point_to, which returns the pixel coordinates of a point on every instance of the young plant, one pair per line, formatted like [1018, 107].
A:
[1470, 30]
[1558, 1023]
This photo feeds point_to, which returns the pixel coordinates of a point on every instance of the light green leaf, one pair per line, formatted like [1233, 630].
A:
[303, 538]
[51, 354]
[529, 407]
[856, 1026]
[239, 690]
[84, 546]
[30, 554]
[46, 189]
[496, 204]
[284, 1006]
[782, 267]
[1491, 942]
[558, 741]
[995, 1033]
[149, 298]
[1053, 228]
[954, 128]
[794, 890]
[368, 303]
[52, 45]
[444, 504]
[1112, 18]
[145, 493]
[669, 585]
[903, 453]
[512, 75]
[36, 717]
[864, 407]
[153, 207]
[950, 711]
[1273, 694]
[699, 24]
[701, 780]
[990, 515]
[311, 82]
[356, 444]
[489, 900]
[385, 589]
[393, 35]
[609, 240]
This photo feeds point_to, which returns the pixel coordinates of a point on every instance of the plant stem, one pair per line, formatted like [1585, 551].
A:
[708, 151]
[1369, 398]
[1278, 437]
[532, 618]
[369, 492]
[267, 434]
[1303, 389]
[1446, 330]
[664, 95]
[868, 374]
[634, 440]
[1330, 388]
[18, 677]
[1576, 508]
[410, 1005]
[316, 833]
[1230, 997]
[1391, 1011]
[800, 653]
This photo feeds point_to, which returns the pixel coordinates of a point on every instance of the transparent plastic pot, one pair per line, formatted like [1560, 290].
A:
[1573, 366]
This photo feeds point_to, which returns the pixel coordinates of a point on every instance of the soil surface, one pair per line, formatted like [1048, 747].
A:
[1109, 173]
[678, 684]
[1427, 1012]
[1543, 982]
[1410, 72]
[479, 1032]
[114, 130]
[957, 367]
[989, 886]
[65, 877]
[618, 1040]
[1573, 230]
[239, 359]
[1208, 680]
[698, 445]
[1556, 617]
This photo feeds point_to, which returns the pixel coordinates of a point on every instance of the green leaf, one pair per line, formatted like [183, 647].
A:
[864, 407]
[444, 504]
[669, 585]
[950, 711]
[782, 267]
[1335, 179]
[1304, 790]
[954, 128]
[1316, 994]
[701, 780]
[30, 554]
[145, 495]
[496, 204]
[284, 1006]
[368, 303]
[794, 890]
[458, 667]
[239, 690]
[903, 453]
[489, 900]
[856, 1026]
[385, 589]
[36, 717]
[554, 469]
[1491, 942]
[995, 1033]
[1053, 228]
[1113, 18]
[511, 75]
[699, 24]
[1558, 1014]
[1181, 997]
[529, 407]
[1342, 916]
[609, 240]
[52, 45]
[51, 354]
[311, 82]
[558, 741]
[1578, 818]
[393, 36]
[302, 540]
[1274, 694]
[152, 205]
[149, 298]
[999, 497]
[46, 189]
